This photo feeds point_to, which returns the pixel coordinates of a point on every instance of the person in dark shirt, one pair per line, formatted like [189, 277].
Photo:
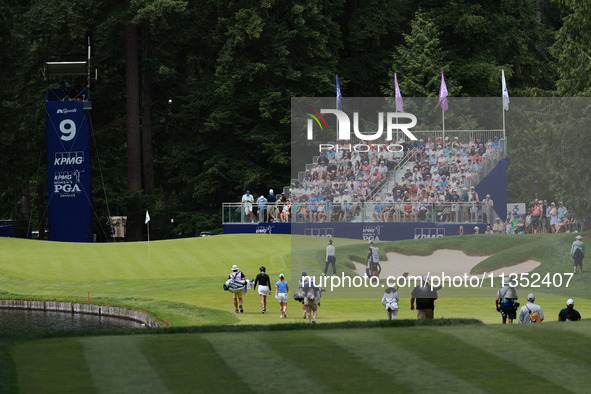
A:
[264, 283]
[569, 313]
[425, 295]
[271, 201]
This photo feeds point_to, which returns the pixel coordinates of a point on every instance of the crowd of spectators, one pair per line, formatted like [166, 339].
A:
[437, 188]
[542, 217]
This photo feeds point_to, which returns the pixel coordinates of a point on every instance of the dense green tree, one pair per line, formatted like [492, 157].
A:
[420, 61]
[232, 67]
[572, 49]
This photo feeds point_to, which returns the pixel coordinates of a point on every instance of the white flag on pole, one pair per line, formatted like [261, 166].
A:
[505, 92]
[147, 217]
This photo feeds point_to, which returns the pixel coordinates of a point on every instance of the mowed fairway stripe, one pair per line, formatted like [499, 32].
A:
[451, 353]
[330, 364]
[406, 367]
[51, 366]
[260, 366]
[188, 363]
[117, 365]
[528, 355]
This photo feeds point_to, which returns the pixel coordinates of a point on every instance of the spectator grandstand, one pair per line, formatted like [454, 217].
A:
[430, 180]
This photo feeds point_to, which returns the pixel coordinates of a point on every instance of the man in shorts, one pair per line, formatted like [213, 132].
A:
[247, 200]
[264, 283]
[536, 215]
[311, 302]
[506, 301]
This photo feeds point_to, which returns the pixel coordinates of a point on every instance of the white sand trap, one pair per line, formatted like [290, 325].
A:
[449, 262]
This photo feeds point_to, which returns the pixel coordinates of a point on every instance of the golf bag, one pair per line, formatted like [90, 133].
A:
[299, 294]
[234, 286]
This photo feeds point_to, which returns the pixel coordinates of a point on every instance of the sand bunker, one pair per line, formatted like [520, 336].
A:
[450, 262]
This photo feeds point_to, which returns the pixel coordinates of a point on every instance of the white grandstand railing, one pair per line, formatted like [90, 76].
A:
[361, 212]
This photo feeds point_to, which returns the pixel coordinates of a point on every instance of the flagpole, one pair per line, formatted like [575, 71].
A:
[503, 123]
[443, 102]
[147, 223]
[505, 102]
[443, 122]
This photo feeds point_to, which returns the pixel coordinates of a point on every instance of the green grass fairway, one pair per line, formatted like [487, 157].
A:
[353, 348]
[398, 357]
[180, 281]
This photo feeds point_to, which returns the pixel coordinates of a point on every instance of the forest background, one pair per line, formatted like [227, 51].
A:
[231, 68]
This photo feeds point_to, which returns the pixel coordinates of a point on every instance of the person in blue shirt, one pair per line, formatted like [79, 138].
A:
[281, 290]
[378, 208]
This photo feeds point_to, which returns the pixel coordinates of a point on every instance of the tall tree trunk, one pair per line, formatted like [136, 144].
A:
[26, 205]
[147, 156]
[134, 155]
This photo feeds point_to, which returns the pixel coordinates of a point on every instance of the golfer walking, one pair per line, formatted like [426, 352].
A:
[264, 283]
[425, 294]
[281, 290]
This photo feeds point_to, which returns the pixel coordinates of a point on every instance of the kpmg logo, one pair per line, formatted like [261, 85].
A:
[344, 124]
[65, 111]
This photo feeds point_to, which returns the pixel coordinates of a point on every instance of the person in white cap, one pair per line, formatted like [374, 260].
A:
[271, 201]
[236, 274]
[569, 313]
[390, 301]
[530, 312]
[577, 253]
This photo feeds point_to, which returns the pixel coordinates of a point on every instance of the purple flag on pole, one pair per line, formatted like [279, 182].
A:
[339, 95]
[443, 94]
[399, 103]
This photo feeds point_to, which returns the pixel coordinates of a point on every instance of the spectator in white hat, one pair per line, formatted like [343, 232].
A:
[569, 313]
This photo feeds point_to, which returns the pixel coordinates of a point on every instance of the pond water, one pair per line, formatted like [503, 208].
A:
[14, 321]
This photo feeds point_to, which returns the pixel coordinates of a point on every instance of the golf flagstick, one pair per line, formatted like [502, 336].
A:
[147, 221]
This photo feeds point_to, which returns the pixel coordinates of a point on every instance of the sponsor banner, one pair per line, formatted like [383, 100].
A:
[68, 172]
[260, 228]
[366, 231]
